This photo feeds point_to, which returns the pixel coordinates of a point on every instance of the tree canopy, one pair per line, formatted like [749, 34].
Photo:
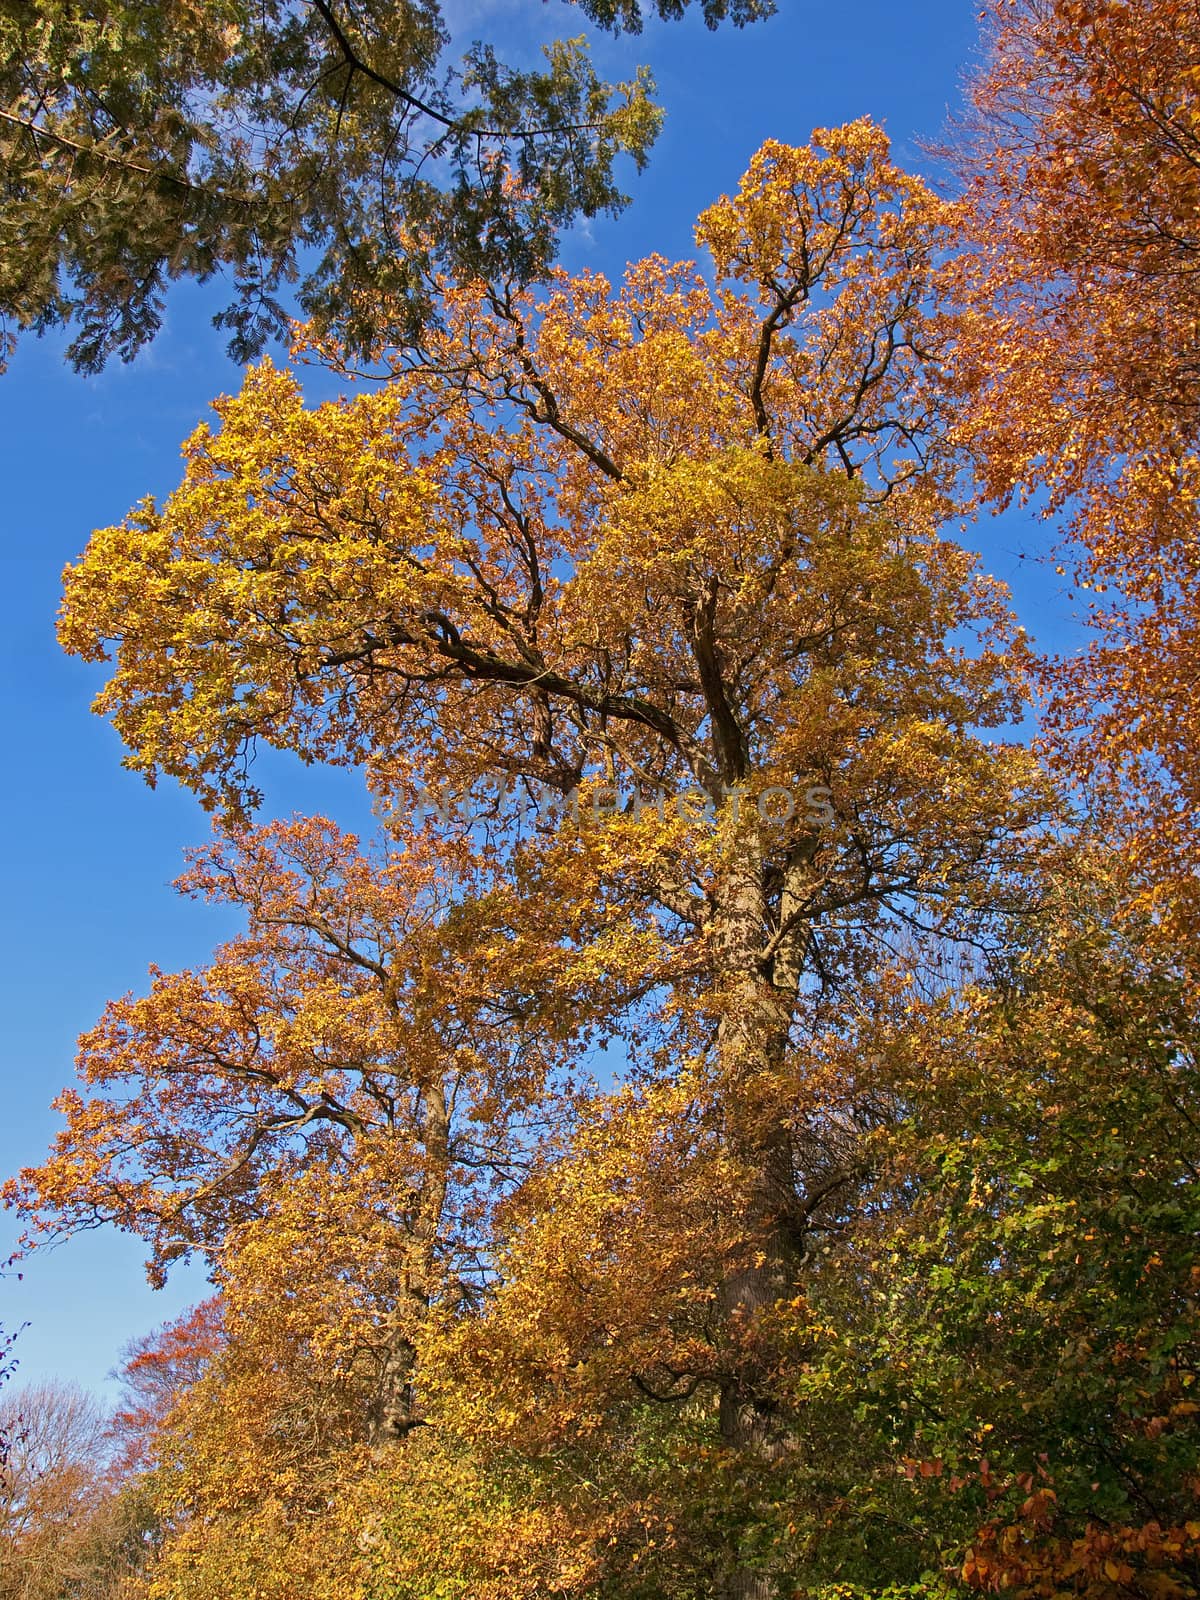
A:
[680, 540]
[331, 146]
[733, 1131]
[1080, 362]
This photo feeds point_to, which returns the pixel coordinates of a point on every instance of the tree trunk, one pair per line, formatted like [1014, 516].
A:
[397, 1409]
[752, 1045]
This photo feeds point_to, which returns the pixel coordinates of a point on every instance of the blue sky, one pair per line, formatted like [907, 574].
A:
[90, 850]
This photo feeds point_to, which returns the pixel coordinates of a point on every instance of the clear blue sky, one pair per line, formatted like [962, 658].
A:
[89, 850]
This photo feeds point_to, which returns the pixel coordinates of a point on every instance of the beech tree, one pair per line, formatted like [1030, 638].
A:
[676, 550]
[297, 141]
[156, 1371]
[1080, 368]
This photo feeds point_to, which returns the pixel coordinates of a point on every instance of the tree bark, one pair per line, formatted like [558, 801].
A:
[752, 1047]
[397, 1408]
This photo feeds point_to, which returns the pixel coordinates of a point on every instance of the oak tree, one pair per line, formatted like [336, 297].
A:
[670, 560]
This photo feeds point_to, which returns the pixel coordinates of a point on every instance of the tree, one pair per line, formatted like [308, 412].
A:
[306, 140]
[157, 1370]
[668, 557]
[317, 1101]
[1080, 366]
[318, 1117]
[1010, 1329]
[53, 1480]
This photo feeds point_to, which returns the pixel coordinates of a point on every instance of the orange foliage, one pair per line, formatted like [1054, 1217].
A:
[1080, 358]
[156, 1371]
[671, 538]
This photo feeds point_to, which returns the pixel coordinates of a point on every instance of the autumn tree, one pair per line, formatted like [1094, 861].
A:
[1080, 369]
[992, 1359]
[156, 1370]
[668, 560]
[296, 141]
[315, 1100]
[327, 1125]
[53, 1482]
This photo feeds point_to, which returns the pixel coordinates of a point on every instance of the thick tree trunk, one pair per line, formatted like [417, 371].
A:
[751, 1421]
[752, 1046]
[397, 1408]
